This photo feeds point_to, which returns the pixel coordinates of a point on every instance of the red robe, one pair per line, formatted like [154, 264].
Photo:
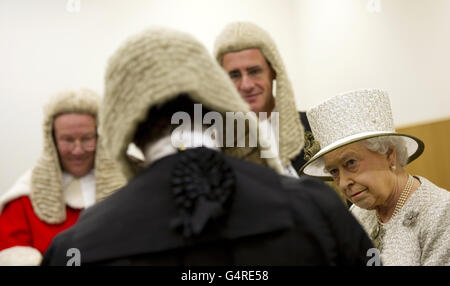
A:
[19, 225]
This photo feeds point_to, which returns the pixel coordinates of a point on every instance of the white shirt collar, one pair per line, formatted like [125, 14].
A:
[164, 146]
[79, 193]
[266, 125]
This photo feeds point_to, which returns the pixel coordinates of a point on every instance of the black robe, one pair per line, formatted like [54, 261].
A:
[269, 220]
[301, 159]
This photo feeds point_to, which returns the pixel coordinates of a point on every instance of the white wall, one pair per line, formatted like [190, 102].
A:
[405, 49]
[44, 48]
[328, 46]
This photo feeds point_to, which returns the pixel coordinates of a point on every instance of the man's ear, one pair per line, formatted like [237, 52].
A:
[273, 73]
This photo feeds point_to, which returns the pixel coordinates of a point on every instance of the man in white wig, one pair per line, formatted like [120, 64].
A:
[251, 58]
[195, 202]
[73, 172]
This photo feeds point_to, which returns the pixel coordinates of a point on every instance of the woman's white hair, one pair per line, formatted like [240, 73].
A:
[382, 144]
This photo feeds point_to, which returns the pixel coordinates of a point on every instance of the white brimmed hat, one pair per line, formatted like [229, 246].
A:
[350, 117]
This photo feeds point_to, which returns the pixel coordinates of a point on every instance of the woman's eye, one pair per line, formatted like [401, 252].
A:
[333, 172]
[351, 163]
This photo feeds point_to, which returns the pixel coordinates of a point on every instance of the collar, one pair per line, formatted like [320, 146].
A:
[79, 193]
[273, 136]
[165, 146]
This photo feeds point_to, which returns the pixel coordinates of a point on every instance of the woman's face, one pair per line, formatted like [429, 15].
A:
[363, 176]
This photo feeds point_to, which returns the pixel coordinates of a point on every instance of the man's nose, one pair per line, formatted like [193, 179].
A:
[247, 83]
[78, 148]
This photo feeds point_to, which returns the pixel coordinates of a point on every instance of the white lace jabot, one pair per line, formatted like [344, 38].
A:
[79, 193]
[273, 135]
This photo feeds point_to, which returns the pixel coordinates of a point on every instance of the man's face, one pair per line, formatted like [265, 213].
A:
[76, 138]
[252, 76]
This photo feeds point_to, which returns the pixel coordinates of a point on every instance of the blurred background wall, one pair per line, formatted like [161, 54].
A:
[329, 46]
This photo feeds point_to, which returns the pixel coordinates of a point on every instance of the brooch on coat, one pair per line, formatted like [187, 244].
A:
[378, 232]
[377, 235]
[203, 185]
[410, 218]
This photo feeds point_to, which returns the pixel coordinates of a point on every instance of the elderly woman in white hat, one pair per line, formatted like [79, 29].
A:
[407, 217]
